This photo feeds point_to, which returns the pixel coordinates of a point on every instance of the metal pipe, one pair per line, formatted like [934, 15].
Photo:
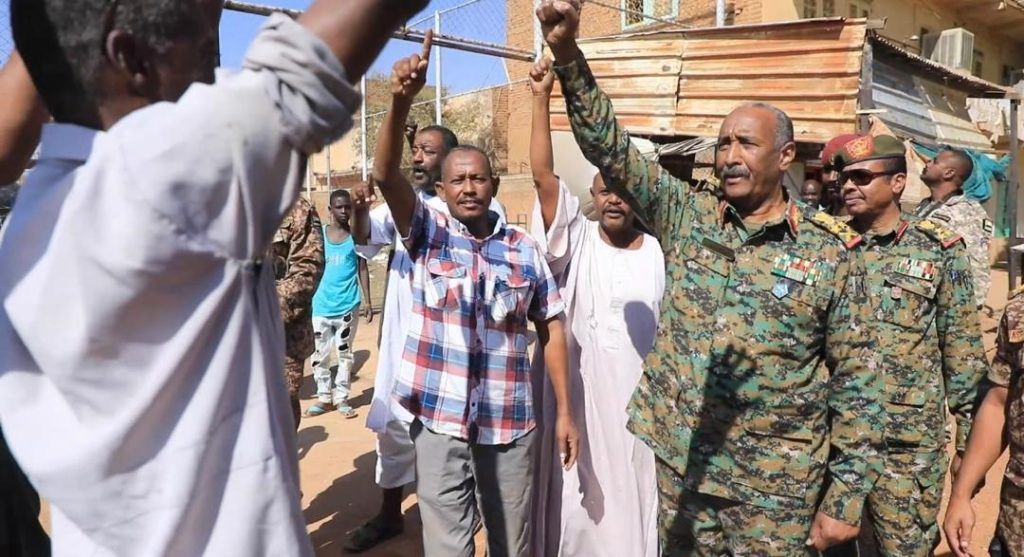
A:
[330, 181]
[437, 72]
[362, 129]
[720, 13]
[1014, 175]
[411, 35]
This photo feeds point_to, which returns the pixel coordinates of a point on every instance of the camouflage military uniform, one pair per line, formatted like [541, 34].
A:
[1008, 371]
[967, 218]
[929, 338]
[298, 257]
[736, 398]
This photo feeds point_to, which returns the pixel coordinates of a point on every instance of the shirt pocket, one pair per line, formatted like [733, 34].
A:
[511, 298]
[907, 301]
[775, 454]
[443, 287]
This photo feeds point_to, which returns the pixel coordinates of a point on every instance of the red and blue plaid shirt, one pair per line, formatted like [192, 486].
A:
[465, 370]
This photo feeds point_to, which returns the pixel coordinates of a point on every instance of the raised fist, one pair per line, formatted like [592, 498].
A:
[559, 23]
[542, 79]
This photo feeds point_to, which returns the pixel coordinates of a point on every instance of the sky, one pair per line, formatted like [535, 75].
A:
[461, 71]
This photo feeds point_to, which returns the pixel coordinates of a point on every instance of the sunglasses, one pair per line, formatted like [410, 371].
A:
[861, 177]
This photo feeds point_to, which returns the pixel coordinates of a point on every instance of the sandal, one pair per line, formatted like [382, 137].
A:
[372, 534]
[347, 412]
[318, 409]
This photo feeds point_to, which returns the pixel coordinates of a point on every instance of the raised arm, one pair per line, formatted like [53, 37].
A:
[407, 80]
[603, 141]
[21, 119]
[542, 160]
[357, 30]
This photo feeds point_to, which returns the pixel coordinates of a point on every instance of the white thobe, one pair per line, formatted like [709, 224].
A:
[397, 309]
[607, 505]
[141, 346]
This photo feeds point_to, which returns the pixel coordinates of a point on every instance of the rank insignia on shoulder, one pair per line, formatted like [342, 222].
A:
[939, 216]
[837, 228]
[798, 269]
[1015, 292]
[987, 226]
[944, 236]
[916, 268]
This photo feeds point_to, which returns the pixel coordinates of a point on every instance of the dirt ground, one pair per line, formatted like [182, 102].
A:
[337, 460]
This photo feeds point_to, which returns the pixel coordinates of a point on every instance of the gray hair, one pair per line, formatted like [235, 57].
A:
[783, 123]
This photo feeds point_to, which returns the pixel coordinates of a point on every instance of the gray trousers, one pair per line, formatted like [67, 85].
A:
[459, 482]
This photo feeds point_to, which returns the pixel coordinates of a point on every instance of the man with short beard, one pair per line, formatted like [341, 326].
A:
[376, 229]
[761, 398]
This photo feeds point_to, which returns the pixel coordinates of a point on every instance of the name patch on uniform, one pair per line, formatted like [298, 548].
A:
[916, 268]
[798, 269]
[724, 251]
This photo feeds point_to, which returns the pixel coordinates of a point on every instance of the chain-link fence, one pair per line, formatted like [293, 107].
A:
[6, 42]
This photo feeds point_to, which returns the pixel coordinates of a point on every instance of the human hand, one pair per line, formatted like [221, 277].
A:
[367, 312]
[827, 531]
[559, 23]
[959, 525]
[568, 440]
[542, 79]
[409, 75]
[363, 196]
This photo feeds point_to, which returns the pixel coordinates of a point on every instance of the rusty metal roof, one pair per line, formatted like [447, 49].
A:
[684, 82]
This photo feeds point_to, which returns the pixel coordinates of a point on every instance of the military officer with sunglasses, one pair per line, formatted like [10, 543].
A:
[929, 337]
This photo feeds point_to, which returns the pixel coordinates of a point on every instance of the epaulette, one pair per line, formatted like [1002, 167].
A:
[710, 184]
[837, 228]
[944, 236]
[1015, 292]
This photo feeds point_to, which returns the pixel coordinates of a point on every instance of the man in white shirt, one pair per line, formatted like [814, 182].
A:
[160, 424]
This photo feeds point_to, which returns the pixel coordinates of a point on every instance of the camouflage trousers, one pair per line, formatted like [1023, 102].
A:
[901, 512]
[698, 525]
[1010, 527]
[293, 372]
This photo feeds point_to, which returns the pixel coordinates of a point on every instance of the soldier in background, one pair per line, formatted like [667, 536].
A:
[999, 422]
[761, 399]
[929, 337]
[945, 176]
[298, 257]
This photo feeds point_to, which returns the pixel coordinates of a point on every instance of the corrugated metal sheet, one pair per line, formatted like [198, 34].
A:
[672, 83]
[917, 105]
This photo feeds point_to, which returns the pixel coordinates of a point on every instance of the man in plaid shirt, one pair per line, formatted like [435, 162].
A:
[465, 369]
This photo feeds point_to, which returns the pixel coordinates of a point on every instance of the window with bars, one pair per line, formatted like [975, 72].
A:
[810, 9]
[828, 8]
[860, 9]
[979, 62]
[635, 11]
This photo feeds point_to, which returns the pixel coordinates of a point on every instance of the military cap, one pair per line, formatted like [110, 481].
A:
[833, 147]
[869, 148]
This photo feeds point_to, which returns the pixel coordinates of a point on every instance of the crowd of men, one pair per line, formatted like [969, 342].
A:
[720, 368]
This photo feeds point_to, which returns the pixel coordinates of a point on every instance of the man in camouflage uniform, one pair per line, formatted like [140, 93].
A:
[998, 423]
[928, 335]
[298, 257]
[945, 176]
[760, 398]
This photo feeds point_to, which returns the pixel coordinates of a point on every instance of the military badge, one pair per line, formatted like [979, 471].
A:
[916, 268]
[860, 148]
[798, 269]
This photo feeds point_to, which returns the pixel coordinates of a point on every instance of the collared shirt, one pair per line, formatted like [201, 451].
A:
[397, 309]
[969, 219]
[141, 344]
[465, 369]
[929, 334]
[761, 387]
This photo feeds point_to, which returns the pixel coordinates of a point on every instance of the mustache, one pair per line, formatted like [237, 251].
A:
[735, 172]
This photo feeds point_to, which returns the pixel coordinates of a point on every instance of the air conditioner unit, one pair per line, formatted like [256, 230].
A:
[953, 48]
